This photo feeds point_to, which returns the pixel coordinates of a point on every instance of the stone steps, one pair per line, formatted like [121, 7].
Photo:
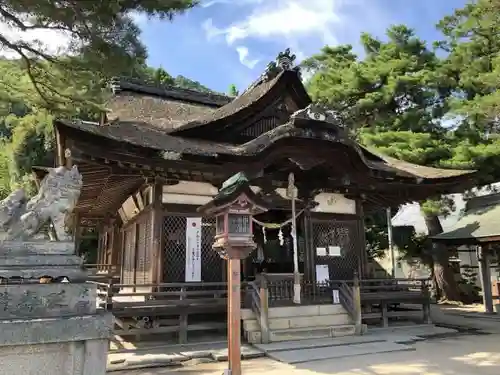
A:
[336, 351]
[317, 343]
[305, 333]
[300, 323]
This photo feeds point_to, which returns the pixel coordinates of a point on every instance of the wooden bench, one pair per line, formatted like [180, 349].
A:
[385, 293]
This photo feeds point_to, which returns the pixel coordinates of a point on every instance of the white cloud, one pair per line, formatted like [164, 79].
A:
[209, 3]
[287, 18]
[281, 18]
[210, 30]
[49, 41]
[243, 55]
[287, 21]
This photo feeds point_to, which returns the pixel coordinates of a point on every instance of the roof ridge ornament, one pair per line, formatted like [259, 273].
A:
[285, 61]
[318, 112]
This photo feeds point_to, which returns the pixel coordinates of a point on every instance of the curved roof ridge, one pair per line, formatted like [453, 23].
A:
[419, 170]
[282, 67]
[136, 85]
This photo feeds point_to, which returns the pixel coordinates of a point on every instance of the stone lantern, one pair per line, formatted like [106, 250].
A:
[233, 208]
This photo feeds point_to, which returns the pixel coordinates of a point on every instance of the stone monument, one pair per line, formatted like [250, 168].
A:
[49, 323]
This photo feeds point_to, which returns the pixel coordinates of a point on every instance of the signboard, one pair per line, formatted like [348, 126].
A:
[334, 251]
[334, 203]
[193, 249]
[322, 273]
[336, 296]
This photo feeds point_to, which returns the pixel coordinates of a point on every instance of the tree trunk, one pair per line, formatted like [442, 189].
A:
[446, 286]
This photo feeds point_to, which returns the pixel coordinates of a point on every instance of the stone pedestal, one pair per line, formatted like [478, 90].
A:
[51, 328]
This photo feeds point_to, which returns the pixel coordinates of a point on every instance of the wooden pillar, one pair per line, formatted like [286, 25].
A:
[485, 275]
[157, 230]
[117, 245]
[309, 251]
[234, 316]
[60, 146]
[100, 243]
[363, 255]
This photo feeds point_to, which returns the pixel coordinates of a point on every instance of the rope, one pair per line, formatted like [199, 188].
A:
[276, 225]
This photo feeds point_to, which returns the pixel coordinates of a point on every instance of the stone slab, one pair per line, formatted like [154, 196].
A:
[202, 350]
[299, 322]
[73, 274]
[312, 332]
[317, 354]
[37, 247]
[70, 358]
[39, 260]
[47, 300]
[412, 333]
[53, 330]
[247, 352]
[148, 359]
[316, 343]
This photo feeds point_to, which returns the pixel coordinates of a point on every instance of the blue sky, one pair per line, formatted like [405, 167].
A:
[230, 41]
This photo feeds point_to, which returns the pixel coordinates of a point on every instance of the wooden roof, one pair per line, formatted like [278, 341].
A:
[103, 188]
[480, 222]
[191, 114]
[197, 140]
[159, 106]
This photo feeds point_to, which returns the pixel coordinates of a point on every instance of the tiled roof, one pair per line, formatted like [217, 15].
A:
[480, 221]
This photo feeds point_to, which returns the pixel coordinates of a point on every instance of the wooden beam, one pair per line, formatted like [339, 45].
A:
[139, 201]
[60, 146]
[157, 230]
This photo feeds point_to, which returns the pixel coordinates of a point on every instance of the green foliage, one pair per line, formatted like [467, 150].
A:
[97, 32]
[473, 62]
[160, 76]
[396, 87]
[232, 91]
[376, 234]
[404, 100]
[186, 83]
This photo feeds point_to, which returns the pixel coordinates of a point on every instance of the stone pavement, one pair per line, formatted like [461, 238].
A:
[176, 355]
[469, 355]
[377, 341]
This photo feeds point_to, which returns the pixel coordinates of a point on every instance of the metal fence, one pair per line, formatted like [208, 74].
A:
[343, 234]
[174, 232]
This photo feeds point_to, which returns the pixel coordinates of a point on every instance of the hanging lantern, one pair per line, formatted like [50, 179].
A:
[233, 208]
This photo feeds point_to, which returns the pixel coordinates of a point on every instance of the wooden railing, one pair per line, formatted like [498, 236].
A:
[259, 303]
[103, 272]
[164, 308]
[275, 292]
[380, 294]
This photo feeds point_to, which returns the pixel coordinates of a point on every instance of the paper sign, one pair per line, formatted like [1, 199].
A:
[321, 251]
[336, 296]
[193, 249]
[334, 251]
[322, 273]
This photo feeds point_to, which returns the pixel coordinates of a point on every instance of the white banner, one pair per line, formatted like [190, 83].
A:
[193, 249]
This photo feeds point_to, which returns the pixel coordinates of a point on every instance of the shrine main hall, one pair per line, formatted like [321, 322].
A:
[160, 152]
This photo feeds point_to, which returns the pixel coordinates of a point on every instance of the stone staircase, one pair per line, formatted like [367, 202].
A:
[299, 323]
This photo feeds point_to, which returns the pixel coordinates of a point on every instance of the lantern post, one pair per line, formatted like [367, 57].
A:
[233, 208]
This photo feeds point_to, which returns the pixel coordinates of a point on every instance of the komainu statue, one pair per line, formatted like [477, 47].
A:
[21, 219]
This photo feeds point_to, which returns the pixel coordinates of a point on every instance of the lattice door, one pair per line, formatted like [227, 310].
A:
[129, 257]
[344, 234]
[174, 231]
